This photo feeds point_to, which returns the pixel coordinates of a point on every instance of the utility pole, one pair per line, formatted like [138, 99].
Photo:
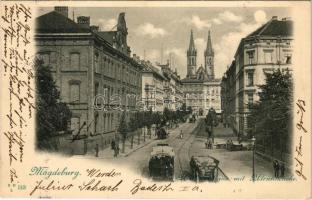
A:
[144, 55]
[170, 60]
[74, 14]
[161, 54]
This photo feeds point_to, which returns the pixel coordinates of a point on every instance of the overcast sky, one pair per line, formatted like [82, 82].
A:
[151, 28]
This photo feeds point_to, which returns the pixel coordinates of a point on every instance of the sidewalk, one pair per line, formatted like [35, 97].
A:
[108, 153]
[234, 163]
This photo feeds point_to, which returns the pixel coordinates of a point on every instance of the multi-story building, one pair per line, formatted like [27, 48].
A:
[201, 88]
[264, 50]
[88, 63]
[228, 97]
[173, 98]
[153, 84]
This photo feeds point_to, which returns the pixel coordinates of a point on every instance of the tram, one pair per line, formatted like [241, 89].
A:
[161, 163]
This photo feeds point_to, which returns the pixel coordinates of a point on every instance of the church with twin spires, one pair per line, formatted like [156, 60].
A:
[201, 89]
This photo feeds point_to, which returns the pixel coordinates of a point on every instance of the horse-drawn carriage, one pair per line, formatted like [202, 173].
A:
[161, 133]
[204, 168]
[161, 163]
[192, 119]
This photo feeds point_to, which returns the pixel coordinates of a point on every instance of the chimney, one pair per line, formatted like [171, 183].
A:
[94, 28]
[84, 21]
[274, 18]
[62, 10]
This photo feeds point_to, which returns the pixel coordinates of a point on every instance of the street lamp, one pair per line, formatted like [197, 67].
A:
[253, 142]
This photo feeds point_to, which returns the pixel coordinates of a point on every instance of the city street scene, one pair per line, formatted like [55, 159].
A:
[175, 94]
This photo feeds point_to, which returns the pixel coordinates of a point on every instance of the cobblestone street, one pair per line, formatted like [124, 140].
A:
[233, 164]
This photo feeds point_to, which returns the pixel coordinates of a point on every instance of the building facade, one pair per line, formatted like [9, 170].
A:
[201, 89]
[153, 87]
[93, 70]
[173, 98]
[266, 49]
[228, 94]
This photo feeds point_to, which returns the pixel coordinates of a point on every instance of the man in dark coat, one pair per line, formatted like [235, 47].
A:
[276, 168]
[96, 150]
[282, 166]
[113, 144]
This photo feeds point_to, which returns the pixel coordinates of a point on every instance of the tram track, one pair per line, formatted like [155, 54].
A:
[192, 135]
[183, 149]
[183, 176]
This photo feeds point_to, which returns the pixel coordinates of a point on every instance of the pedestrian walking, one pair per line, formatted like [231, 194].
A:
[96, 150]
[181, 134]
[282, 166]
[209, 144]
[113, 144]
[118, 150]
[115, 152]
[276, 168]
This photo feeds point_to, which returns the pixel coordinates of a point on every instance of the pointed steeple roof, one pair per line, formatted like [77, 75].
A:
[209, 50]
[192, 44]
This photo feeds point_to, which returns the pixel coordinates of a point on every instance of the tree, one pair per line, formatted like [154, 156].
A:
[183, 109]
[157, 118]
[189, 109]
[210, 122]
[133, 125]
[149, 118]
[52, 114]
[270, 118]
[182, 112]
[166, 115]
[123, 129]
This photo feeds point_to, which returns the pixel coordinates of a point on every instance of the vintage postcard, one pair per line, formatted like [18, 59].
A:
[148, 99]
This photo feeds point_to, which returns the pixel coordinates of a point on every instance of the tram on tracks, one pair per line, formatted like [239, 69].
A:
[161, 163]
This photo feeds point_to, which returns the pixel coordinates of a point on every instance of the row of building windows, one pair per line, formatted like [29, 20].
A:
[202, 100]
[108, 92]
[116, 70]
[107, 125]
[107, 66]
[268, 57]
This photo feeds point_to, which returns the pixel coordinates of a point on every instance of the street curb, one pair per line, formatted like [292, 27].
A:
[127, 154]
[270, 158]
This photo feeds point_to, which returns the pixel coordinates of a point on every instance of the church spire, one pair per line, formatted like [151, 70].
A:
[191, 58]
[209, 50]
[209, 58]
[192, 44]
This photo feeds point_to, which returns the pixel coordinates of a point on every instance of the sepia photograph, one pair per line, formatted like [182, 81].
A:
[155, 99]
[174, 93]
